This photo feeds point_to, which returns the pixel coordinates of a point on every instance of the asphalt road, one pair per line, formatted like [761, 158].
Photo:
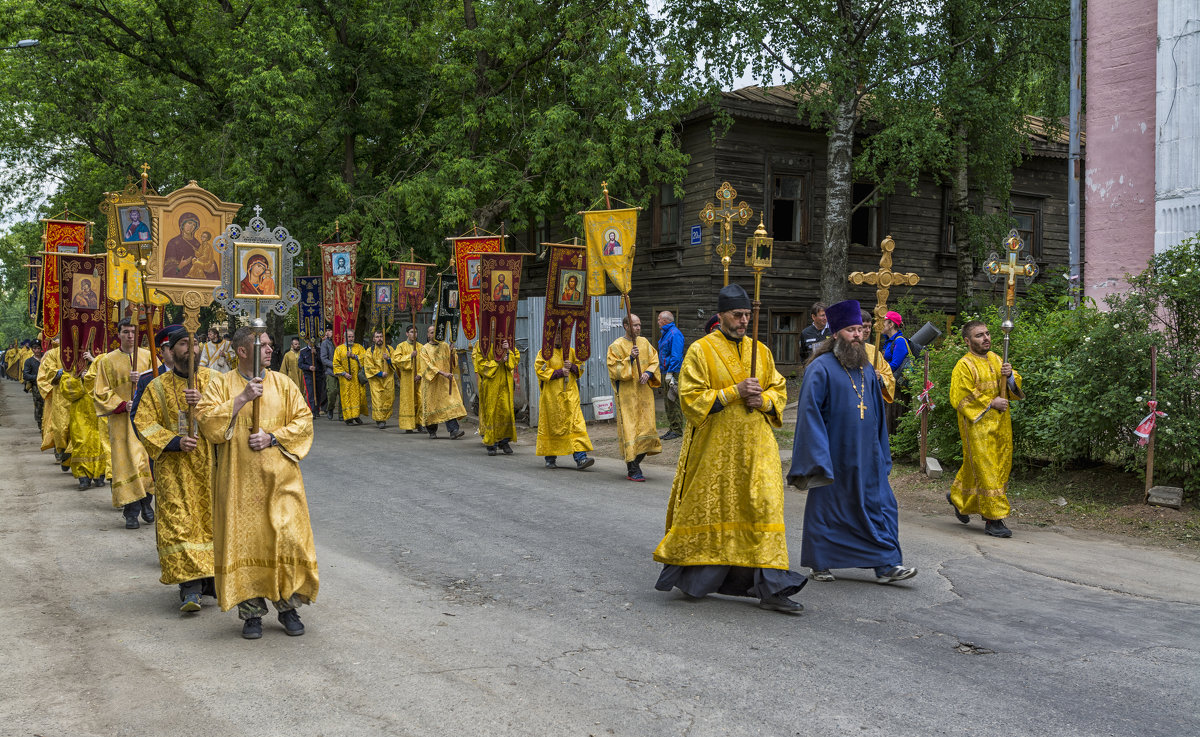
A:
[462, 594]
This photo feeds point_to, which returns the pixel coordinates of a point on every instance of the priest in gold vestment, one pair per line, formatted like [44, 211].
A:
[348, 367]
[182, 474]
[441, 398]
[89, 453]
[290, 365]
[381, 380]
[725, 529]
[985, 425]
[262, 539]
[113, 394]
[497, 422]
[633, 370]
[561, 428]
[406, 358]
[56, 419]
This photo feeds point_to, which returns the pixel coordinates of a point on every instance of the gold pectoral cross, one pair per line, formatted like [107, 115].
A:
[861, 409]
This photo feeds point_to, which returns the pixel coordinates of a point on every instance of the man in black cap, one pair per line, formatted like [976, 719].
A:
[29, 373]
[331, 402]
[840, 454]
[182, 461]
[161, 340]
[725, 528]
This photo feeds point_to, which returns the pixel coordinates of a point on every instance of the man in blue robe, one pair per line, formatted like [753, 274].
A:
[840, 454]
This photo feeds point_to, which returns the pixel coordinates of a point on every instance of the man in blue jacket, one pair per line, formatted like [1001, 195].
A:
[670, 358]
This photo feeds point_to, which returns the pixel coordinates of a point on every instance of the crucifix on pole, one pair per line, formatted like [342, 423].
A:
[1014, 265]
[727, 214]
[883, 280]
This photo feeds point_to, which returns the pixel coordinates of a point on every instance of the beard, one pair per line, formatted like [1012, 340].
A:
[850, 354]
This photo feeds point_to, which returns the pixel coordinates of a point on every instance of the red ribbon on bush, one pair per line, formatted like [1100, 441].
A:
[923, 398]
[1146, 426]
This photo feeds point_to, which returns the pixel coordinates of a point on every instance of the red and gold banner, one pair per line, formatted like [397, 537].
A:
[342, 293]
[500, 283]
[567, 305]
[82, 308]
[58, 236]
[412, 287]
[470, 275]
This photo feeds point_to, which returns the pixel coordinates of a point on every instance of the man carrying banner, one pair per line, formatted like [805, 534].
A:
[332, 403]
[262, 539]
[985, 425]
[561, 428]
[116, 377]
[89, 453]
[381, 380]
[497, 422]
[633, 370]
[349, 368]
[182, 474]
[406, 357]
[725, 528]
[441, 399]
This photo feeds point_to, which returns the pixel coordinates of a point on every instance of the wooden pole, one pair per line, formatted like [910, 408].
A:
[1150, 441]
[925, 421]
[636, 362]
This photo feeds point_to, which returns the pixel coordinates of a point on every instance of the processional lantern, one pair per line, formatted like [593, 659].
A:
[759, 250]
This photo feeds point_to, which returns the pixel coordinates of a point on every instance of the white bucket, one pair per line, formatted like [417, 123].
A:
[602, 408]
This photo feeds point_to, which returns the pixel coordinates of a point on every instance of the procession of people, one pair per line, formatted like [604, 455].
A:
[181, 447]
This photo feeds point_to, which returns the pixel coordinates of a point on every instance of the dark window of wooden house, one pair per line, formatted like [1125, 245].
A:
[785, 336]
[948, 220]
[788, 193]
[867, 222]
[664, 225]
[1029, 227]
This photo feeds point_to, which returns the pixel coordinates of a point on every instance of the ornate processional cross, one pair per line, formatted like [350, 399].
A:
[883, 280]
[727, 214]
[1009, 269]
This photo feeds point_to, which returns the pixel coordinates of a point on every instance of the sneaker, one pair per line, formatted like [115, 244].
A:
[780, 604]
[584, 463]
[191, 603]
[457, 434]
[252, 628]
[291, 623]
[491, 450]
[996, 528]
[84, 483]
[964, 518]
[551, 463]
[635, 474]
[506, 449]
[895, 573]
[823, 576]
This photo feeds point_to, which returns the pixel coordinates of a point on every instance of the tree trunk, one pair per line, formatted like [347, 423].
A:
[839, 202]
[964, 259]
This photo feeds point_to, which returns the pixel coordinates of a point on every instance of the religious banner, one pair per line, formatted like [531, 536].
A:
[467, 252]
[82, 309]
[35, 289]
[58, 236]
[342, 292]
[411, 292]
[500, 284]
[312, 322]
[610, 238]
[446, 313]
[382, 296]
[567, 308]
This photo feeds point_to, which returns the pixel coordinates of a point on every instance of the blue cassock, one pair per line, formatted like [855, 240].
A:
[851, 523]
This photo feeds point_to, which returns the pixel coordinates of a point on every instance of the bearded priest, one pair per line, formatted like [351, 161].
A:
[840, 454]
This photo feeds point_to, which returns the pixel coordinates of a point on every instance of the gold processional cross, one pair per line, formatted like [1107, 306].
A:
[883, 280]
[1009, 269]
[709, 215]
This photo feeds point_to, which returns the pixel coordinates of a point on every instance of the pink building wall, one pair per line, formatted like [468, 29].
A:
[1118, 182]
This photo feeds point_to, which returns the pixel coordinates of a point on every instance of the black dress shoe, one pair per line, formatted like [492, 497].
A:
[252, 628]
[291, 623]
[131, 523]
[780, 604]
[670, 435]
[491, 451]
[996, 528]
[84, 483]
[357, 420]
[147, 511]
[964, 518]
[506, 449]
